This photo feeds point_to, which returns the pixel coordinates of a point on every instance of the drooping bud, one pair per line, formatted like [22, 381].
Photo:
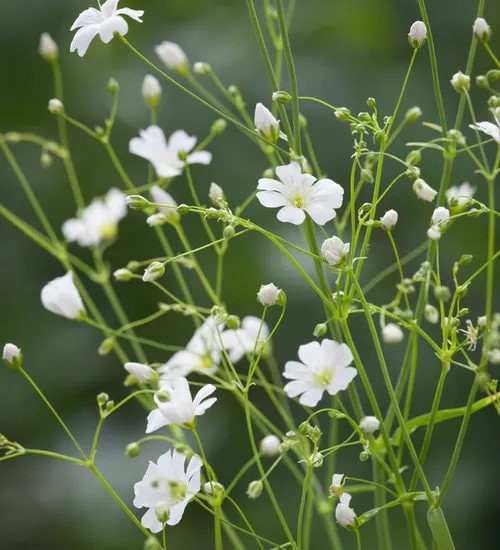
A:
[389, 220]
[369, 424]
[392, 333]
[423, 190]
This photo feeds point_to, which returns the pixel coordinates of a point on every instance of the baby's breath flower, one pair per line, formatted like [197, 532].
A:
[392, 333]
[389, 220]
[60, 296]
[166, 204]
[418, 34]
[481, 29]
[105, 22]
[151, 91]
[248, 338]
[345, 516]
[268, 294]
[324, 366]
[270, 445]
[460, 82]
[334, 250]
[143, 373]
[12, 356]
[173, 56]
[55, 106]
[459, 196]
[369, 424]
[48, 48]
[337, 485]
[154, 271]
[490, 129]
[254, 489]
[423, 190]
[215, 193]
[266, 124]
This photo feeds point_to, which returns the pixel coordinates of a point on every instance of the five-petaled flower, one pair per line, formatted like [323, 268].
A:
[167, 485]
[176, 406]
[105, 22]
[167, 157]
[298, 193]
[325, 366]
[252, 333]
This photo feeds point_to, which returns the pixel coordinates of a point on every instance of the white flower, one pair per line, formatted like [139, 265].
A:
[12, 356]
[166, 203]
[431, 314]
[325, 366]
[418, 34]
[392, 333]
[460, 82]
[151, 91]
[434, 233]
[270, 445]
[298, 193]
[345, 515]
[60, 296]
[48, 48]
[142, 372]
[369, 424]
[337, 485]
[55, 106]
[268, 294]
[168, 483]
[471, 334]
[173, 56]
[423, 191]
[490, 129]
[165, 156]
[334, 250]
[246, 339]
[202, 353]
[389, 220]
[97, 222]
[176, 406]
[481, 29]
[105, 22]
[459, 196]
[440, 216]
[266, 124]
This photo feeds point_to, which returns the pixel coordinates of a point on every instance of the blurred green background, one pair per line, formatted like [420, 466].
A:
[345, 52]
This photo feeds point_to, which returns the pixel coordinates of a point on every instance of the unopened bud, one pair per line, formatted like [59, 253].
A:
[461, 82]
[123, 274]
[218, 127]
[254, 489]
[481, 29]
[137, 202]
[133, 449]
[55, 106]
[417, 35]
[202, 68]
[154, 271]
[151, 91]
[48, 48]
[12, 356]
[413, 114]
[282, 97]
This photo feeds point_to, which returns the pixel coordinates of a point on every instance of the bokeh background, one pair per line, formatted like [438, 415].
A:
[346, 51]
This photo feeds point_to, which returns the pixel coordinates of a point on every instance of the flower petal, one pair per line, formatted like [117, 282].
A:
[156, 420]
[88, 17]
[83, 38]
[199, 157]
[267, 184]
[111, 25]
[289, 172]
[291, 214]
[311, 354]
[271, 199]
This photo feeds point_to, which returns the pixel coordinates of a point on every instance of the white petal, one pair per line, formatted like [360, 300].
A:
[311, 397]
[289, 172]
[109, 26]
[320, 214]
[156, 420]
[83, 38]
[200, 157]
[180, 141]
[88, 17]
[291, 214]
[311, 354]
[267, 184]
[271, 199]
[133, 14]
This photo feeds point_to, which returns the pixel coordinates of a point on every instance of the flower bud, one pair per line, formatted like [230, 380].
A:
[213, 488]
[137, 202]
[461, 82]
[60, 296]
[229, 232]
[266, 124]
[113, 85]
[157, 219]
[481, 29]
[48, 48]
[268, 295]
[270, 445]
[369, 424]
[442, 293]
[132, 449]
[417, 35]
[12, 356]
[320, 330]
[152, 544]
[55, 106]
[218, 127]
[215, 193]
[106, 346]
[413, 114]
[162, 512]
[122, 274]
[343, 114]
[102, 399]
[392, 333]
[440, 216]
[202, 68]
[282, 97]
[316, 460]
[431, 314]
[389, 220]
[345, 516]
[151, 91]
[143, 373]
[334, 250]
[154, 271]
[423, 191]
[173, 56]
[255, 489]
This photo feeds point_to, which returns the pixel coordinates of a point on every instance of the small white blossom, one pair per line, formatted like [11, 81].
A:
[389, 220]
[316, 460]
[176, 406]
[270, 445]
[345, 516]
[142, 372]
[165, 155]
[266, 124]
[459, 196]
[166, 203]
[297, 194]
[98, 221]
[168, 483]
[490, 129]
[151, 91]
[48, 48]
[481, 29]
[434, 233]
[418, 34]
[55, 106]
[202, 353]
[252, 333]
[440, 216]
[431, 314]
[105, 22]
[337, 485]
[12, 356]
[423, 191]
[392, 333]
[173, 56]
[471, 335]
[215, 193]
[334, 250]
[268, 295]
[324, 366]
[460, 82]
[369, 424]
[60, 296]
